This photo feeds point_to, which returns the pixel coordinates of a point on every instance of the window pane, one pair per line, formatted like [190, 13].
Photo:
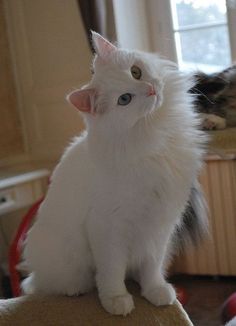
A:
[206, 48]
[191, 12]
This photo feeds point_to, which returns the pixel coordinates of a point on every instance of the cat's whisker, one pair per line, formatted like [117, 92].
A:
[204, 95]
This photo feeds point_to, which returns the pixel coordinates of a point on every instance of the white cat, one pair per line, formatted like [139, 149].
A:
[119, 192]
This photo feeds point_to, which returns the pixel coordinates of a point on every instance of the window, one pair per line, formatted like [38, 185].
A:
[201, 35]
[197, 34]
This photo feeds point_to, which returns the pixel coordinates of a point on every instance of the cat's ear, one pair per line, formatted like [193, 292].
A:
[101, 46]
[83, 99]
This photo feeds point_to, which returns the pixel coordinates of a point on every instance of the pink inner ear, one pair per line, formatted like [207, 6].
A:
[83, 99]
[102, 46]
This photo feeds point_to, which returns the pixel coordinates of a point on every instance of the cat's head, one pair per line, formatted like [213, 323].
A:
[125, 86]
[207, 89]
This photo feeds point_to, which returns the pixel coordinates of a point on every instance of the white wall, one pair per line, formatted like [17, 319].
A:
[132, 24]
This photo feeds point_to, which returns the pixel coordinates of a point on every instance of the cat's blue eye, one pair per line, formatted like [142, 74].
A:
[124, 99]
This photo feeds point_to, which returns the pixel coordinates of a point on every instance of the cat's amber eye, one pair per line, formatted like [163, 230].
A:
[124, 99]
[136, 72]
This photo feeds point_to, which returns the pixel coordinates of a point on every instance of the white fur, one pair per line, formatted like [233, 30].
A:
[120, 188]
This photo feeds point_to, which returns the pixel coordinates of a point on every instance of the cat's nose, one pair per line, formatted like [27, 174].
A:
[151, 91]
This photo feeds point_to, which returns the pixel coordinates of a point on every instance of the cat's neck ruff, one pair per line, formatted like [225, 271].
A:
[141, 141]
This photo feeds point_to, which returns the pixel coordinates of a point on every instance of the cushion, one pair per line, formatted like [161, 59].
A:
[86, 310]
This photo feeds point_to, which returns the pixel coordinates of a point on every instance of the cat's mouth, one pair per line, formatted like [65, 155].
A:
[156, 92]
[156, 100]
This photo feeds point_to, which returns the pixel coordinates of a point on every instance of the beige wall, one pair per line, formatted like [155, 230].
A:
[11, 140]
[50, 57]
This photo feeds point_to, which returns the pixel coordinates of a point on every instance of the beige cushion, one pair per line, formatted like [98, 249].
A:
[86, 310]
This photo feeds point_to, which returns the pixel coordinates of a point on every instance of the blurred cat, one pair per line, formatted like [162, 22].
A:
[216, 98]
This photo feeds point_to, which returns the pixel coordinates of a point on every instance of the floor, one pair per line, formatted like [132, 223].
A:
[205, 297]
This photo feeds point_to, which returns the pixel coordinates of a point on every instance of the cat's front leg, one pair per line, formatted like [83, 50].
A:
[111, 264]
[154, 286]
[111, 286]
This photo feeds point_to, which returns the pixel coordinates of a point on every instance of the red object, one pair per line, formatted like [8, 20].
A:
[181, 295]
[16, 247]
[229, 308]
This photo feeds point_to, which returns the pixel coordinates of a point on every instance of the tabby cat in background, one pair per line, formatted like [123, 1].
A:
[216, 98]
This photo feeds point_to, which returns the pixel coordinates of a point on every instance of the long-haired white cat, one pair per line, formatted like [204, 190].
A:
[119, 193]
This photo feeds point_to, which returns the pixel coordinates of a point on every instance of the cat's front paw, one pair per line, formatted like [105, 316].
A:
[161, 295]
[118, 305]
[208, 124]
[213, 122]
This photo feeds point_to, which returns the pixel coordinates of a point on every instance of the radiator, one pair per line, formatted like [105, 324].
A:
[217, 254]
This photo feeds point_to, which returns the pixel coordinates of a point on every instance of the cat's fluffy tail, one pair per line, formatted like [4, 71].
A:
[194, 226]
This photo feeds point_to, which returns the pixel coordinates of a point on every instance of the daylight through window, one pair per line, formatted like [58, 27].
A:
[201, 34]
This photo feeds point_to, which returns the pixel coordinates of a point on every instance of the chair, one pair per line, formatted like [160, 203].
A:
[16, 247]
